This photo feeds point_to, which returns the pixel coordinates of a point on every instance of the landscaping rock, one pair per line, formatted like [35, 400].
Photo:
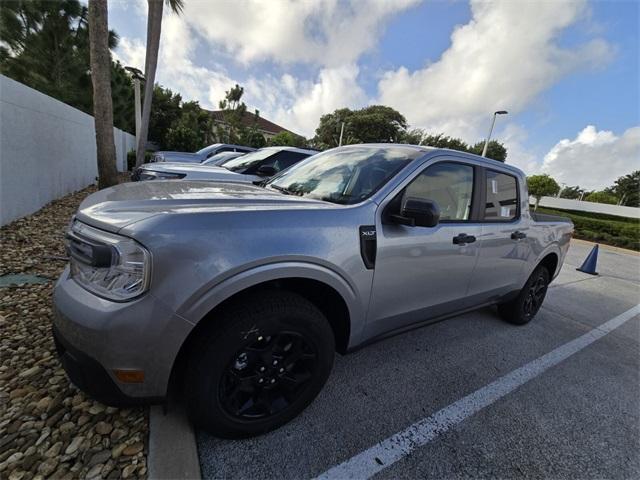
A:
[48, 428]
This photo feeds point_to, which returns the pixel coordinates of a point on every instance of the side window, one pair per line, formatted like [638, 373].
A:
[448, 184]
[502, 197]
[283, 159]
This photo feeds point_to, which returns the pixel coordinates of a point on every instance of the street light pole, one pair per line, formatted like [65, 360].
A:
[341, 132]
[137, 76]
[493, 122]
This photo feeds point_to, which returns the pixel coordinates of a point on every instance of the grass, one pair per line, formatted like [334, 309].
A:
[602, 228]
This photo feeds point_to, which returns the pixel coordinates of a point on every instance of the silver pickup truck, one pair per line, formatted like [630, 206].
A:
[241, 294]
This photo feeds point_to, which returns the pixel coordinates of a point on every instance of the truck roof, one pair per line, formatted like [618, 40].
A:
[487, 161]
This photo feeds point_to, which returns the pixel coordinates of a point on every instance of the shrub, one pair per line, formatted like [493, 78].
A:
[131, 158]
[608, 229]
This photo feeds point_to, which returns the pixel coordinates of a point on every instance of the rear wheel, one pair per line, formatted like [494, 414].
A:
[525, 306]
[266, 360]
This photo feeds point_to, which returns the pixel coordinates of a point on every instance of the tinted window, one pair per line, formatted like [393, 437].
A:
[450, 185]
[344, 175]
[502, 197]
[284, 160]
[252, 159]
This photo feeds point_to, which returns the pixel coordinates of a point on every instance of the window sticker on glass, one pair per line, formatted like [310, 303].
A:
[505, 212]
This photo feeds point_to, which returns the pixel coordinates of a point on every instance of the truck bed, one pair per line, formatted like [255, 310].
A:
[544, 217]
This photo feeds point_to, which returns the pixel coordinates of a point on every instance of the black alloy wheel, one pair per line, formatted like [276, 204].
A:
[268, 375]
[257, 363]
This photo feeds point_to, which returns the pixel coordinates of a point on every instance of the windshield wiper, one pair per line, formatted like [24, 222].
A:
[281, 189]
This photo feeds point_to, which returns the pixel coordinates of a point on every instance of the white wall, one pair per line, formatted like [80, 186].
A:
[566, 204]
[47, 150]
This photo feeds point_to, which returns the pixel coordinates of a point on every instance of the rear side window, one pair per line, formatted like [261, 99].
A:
[284, 159]
[502, 197]
[448, 184]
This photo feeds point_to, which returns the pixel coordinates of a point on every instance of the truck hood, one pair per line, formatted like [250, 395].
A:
[117, 207]
[201, 172]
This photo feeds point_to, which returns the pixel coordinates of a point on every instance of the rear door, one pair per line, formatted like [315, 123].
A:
[422, 272]
[504, 249]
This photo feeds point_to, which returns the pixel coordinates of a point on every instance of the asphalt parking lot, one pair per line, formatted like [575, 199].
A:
[576, 418]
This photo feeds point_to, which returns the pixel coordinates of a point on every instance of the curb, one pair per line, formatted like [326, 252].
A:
[173, 451]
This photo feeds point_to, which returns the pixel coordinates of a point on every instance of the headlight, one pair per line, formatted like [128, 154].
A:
[109, 265]
[153, 175]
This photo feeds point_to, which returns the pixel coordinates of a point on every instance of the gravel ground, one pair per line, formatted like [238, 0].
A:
[48, 428]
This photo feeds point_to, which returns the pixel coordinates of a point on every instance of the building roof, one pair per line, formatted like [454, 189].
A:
[249, 118]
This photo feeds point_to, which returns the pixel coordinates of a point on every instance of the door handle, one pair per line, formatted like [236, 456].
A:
[463, 239]
[518, 235]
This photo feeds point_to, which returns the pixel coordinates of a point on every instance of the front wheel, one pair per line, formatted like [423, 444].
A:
[262, 363]
[525, 306]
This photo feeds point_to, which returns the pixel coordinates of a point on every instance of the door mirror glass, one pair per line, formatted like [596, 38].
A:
[266, 171]
[422, 212]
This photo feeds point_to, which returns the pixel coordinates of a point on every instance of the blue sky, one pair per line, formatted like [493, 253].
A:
[567, 71]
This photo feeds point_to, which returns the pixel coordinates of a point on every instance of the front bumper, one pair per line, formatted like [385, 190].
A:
[91, 377]
[95, 337]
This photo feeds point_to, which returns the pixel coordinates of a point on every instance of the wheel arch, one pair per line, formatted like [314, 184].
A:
[326, 290]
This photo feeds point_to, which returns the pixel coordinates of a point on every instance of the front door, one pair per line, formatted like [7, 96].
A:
[424, 272]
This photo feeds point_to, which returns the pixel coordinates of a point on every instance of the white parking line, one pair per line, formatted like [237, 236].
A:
[394, 448]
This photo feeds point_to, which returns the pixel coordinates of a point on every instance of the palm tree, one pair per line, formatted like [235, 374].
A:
[154, 26]
[101, 80]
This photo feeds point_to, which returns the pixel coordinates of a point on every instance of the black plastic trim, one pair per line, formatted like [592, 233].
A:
[89, 376]
[368, 245]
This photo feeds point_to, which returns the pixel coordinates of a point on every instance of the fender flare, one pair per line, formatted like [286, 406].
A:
[552, 248]
[214, 295]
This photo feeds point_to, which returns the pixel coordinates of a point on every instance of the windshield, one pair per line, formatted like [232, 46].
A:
[344, 175]
[247, 161]
[222, 157]
[207, 149]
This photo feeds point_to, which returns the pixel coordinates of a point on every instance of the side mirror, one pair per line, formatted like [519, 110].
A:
[419, 212]
[266, 171]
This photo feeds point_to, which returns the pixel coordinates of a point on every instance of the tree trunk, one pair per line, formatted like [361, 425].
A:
[101, 80]
[154, 26]
[537, 203]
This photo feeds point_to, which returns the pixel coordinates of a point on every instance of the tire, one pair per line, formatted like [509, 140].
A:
[261, 362]
[525, 306]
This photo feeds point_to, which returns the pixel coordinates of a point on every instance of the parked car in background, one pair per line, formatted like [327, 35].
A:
[199, 156]
[222, 157]
[243, 293]
[156, 173]
[248, 168]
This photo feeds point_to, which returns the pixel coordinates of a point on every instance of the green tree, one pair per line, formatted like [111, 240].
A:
[602, 197]
[288, 139]
[45, 45]
[166, 111]
[542, 186]
[373, 124]
[495, 150]
[627, 189]
[122, 97]
[191, 131]
[233, 109]
[418, 136]
[572, 193]
[441, 140]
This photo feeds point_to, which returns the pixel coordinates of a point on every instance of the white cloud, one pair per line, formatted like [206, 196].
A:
[594, 159]
[294, 103]
[502, 59]
[513, 137]
[324, 32]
